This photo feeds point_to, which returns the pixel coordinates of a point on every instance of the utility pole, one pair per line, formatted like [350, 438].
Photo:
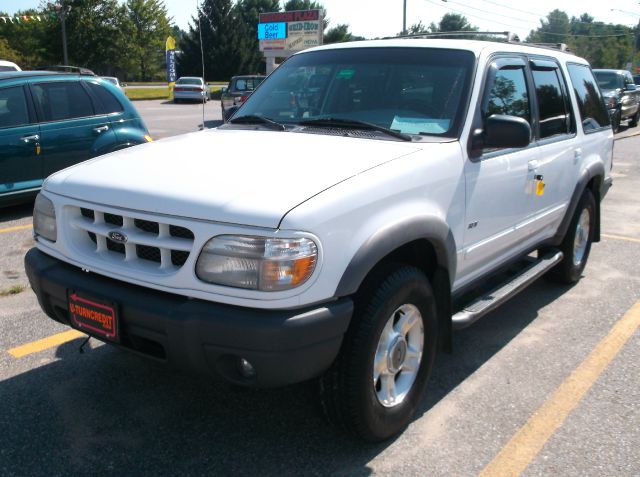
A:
[62, 11]
[404, 18]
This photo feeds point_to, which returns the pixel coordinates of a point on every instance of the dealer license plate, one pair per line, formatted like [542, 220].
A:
[93, 316]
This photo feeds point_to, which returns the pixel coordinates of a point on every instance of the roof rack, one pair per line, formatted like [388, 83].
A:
[508, 36]
[67, 69]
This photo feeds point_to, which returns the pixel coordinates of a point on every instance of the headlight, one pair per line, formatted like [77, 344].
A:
[257, 263]
[44, 218]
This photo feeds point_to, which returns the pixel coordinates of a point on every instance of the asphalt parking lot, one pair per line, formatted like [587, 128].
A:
[549, 384]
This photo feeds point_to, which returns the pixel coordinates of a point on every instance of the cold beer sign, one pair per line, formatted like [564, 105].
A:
[290, 31]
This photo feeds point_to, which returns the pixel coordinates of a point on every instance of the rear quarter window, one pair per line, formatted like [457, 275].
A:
[593, 113]
[107, 103]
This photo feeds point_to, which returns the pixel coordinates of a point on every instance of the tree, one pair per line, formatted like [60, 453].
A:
[8, 53]
[340, 34]
[452, 22]
[555, 28]
[249, 11]
[148, 28]
[227, 49]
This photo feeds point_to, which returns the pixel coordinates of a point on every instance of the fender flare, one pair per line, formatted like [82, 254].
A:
[388, 239]
[595, 169]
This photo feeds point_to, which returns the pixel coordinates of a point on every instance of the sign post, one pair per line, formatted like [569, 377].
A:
[171, 63]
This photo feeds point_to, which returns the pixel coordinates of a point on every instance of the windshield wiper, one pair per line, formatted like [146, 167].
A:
[354, 124]
[255, 119]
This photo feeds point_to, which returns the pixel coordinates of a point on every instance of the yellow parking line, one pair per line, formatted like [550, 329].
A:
[45, 343]
[15, 229]
[514, 458]
[620, 237]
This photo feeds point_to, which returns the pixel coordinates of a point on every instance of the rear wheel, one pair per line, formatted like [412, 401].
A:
[576, 244]
[378, 380]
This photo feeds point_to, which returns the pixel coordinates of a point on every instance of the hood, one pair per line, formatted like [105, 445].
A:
[235, 176]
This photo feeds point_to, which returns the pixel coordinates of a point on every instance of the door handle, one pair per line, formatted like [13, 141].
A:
[533, 165]
[101, 129]
[28, 139]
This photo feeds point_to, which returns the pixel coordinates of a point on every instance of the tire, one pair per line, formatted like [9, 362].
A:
[176, 101]
[615, 121]
[372, 347]
[576, 244]
[633, 122]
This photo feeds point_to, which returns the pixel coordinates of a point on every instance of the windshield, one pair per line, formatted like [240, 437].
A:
[410, 90]
[607, 80]
[189, 81]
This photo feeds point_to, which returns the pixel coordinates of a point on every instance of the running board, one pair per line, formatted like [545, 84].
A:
[488, 302]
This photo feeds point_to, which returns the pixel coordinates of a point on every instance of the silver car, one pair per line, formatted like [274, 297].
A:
[191, 88]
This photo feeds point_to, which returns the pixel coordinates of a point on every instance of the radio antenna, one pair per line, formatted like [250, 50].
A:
[204, 86]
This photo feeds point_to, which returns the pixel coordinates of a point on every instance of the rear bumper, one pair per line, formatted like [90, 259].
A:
[195, 95]
[284, 346]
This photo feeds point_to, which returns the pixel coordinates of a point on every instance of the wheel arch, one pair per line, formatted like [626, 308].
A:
[592, 178]
[425, 244]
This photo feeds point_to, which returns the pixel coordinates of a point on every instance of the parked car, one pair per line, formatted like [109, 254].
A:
[115, 81]
[191, 88]
[237, 92]
[8, 66]
[366, 201]
[621, 96]
[49, 121]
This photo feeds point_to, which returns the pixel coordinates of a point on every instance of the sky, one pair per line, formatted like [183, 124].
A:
[380, 18]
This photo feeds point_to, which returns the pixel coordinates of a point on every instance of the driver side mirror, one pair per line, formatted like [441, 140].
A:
[630, 87]
[502, 131]
[224, 90]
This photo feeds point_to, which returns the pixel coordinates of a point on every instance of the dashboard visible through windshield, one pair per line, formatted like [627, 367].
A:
[408, 90]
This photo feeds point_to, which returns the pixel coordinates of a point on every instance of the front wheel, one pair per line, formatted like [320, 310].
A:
[576, 244]
[615, 121]
[633, 122]
[377, 382]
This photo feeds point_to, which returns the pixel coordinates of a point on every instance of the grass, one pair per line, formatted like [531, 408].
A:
[136, 94]
[14, 290]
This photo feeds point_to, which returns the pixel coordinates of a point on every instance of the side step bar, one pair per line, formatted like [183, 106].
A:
[488, 302]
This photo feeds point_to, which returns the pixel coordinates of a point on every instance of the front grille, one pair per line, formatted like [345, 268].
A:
[154, 243]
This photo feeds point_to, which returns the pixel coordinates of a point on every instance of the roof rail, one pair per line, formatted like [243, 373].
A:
[508, 36]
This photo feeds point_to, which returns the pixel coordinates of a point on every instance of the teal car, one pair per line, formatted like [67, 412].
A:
[49, 121]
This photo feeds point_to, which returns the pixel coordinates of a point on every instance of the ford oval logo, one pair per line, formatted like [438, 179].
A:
[117, 236]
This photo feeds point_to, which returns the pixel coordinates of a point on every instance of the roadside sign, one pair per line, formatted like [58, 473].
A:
[290, 31]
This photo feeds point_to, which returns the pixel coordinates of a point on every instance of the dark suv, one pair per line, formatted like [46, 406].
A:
[49, 121]
[620, 95]
[239, 89]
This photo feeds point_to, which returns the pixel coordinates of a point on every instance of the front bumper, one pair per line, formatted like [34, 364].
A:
[284, 346]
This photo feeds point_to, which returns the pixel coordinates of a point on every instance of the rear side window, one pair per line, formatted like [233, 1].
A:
[247, 84]
[63, 100]
[107, 102]
[593, 113]
[13, 107]
[552, 103]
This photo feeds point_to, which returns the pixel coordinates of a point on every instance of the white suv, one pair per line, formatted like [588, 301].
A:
[354, 212]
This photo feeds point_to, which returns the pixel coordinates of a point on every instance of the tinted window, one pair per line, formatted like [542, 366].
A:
[509, 95]
[412, 90]
[593, 113]
[13, 107]
[7, 68]
[246, 84]
[107, 102]
[554, 117]
[63, 100]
